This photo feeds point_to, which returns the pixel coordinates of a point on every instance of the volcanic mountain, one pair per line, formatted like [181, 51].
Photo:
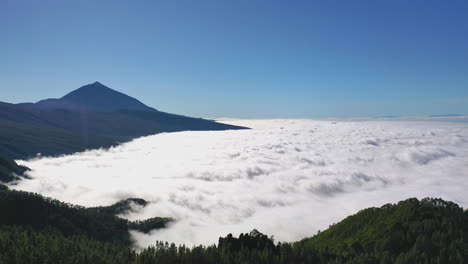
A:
[94, 97]
[92, 116]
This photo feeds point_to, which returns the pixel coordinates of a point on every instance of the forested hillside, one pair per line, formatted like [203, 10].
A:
[24, 209]
[411, 231]
[10, 170]
[34, 229]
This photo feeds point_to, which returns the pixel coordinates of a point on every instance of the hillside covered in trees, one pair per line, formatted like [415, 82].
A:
[41, 214]
[35, 229]
[10, 170]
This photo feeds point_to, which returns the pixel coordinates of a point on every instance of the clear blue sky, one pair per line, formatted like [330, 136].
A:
[243, 58]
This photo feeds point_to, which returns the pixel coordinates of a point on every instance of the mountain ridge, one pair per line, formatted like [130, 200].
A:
[92, 116]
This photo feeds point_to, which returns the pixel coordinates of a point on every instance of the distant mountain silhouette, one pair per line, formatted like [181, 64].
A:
[94, 97]
[92, 116]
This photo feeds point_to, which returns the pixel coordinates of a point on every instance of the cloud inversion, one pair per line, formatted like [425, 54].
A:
[287, 178]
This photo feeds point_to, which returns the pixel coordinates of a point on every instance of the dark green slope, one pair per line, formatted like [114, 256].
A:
[34, 211]
[410, 231]
[34, 229]
[10, 170]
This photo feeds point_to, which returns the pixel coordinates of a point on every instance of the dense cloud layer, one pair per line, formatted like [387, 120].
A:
[287, 178]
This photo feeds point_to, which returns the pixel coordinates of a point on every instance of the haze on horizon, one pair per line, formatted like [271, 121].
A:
[249, 59]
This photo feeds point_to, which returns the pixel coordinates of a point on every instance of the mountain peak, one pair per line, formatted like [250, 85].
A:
[95, 97]
[96, 84]
[92, 87]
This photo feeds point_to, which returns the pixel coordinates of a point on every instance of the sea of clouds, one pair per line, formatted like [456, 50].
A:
[287, 178]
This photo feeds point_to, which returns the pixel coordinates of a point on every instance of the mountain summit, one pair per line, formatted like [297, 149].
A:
[92, 116]
[94, 97]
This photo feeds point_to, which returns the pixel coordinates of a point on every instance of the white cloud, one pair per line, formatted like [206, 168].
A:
[287, 178]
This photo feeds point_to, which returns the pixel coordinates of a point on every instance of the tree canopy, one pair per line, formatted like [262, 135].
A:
[35, 229]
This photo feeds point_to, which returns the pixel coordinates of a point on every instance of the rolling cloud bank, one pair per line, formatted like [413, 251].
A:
[287, 178]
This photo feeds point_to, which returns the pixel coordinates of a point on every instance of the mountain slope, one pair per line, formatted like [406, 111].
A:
[94, 97]
[92, 116]
[10, 170]
[24, 209]
[400, 233]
